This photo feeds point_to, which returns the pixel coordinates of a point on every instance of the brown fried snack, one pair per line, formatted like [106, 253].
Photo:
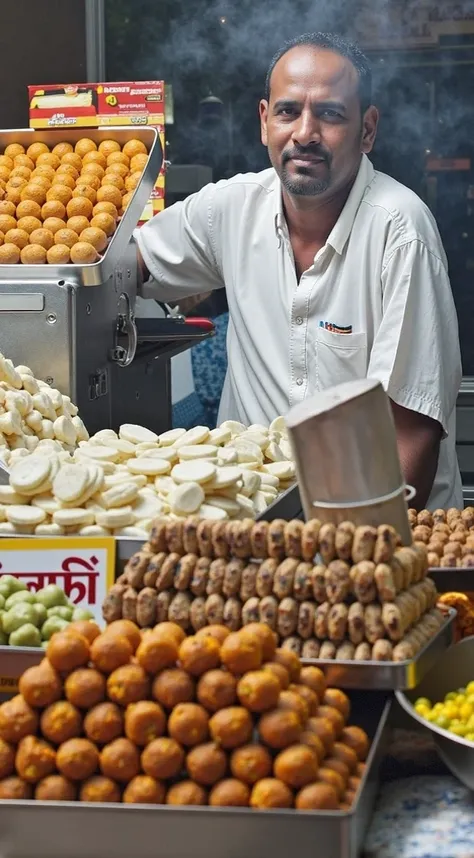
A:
[363, 544]
[216, 577]
[135, 569]
[344, 539]
[276, 539]
[204, 539]
[284, 578]
[232, 616]
[287, 617]
[310, 539]
[233, 577]
[248, 583]
[112, 604]
[258, 540]
[363, 581]
[266, 576]
[338, 581]
[190, 541]
[292, 538]
[318, 581]
[303, 585]
[327, 542]
[129, 604]
[219, 539]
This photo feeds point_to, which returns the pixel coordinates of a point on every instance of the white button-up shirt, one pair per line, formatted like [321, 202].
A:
[375, 303]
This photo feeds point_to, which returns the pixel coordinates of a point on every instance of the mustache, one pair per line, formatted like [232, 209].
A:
[314, 151]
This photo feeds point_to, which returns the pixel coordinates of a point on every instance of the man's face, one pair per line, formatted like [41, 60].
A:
[312, 125]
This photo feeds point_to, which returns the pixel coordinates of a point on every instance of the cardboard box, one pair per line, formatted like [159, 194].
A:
[93, 105]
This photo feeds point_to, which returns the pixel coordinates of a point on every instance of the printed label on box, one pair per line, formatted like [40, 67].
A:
[83, 567]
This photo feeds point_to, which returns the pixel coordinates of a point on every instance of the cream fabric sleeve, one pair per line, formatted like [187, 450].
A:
[416, 352]
[177, 248]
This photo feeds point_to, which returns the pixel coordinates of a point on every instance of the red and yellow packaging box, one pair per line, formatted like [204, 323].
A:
[93, 105]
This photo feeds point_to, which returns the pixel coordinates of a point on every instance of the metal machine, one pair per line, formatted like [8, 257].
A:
[75, 326]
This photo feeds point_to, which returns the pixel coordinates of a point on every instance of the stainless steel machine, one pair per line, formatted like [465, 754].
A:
[75, 326]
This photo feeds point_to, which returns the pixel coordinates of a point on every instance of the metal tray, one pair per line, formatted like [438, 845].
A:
[453, 579]
[388, 675]
[98, 272]
[113, 831]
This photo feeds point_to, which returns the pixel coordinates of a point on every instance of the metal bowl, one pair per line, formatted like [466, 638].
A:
[454, 669]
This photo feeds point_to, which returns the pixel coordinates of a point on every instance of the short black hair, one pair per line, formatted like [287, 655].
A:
[337, 44]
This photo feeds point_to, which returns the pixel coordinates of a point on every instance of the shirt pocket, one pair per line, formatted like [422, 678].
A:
[339, 357]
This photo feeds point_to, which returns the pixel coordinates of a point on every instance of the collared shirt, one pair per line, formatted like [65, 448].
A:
[375, 303]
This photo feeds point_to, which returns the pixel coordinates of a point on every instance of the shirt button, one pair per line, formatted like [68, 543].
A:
[299, 320]
[299, 382]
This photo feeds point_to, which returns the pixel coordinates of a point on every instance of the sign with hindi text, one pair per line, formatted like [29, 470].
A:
[84, 567]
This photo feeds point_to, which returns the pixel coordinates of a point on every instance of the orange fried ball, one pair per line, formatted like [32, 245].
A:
[33, 254]
[289, 700]
[7, 222]
[18, 237]
[324, 729]
[61, 149]
[4, 173]
[103, 723]
[108, 652]
[79, 206]
[106, 147]
[14, 149]
[337, 766]
[289, 660]
[112, 179]
[138, 162]
[144, 721]
[134, 147]
[346, 754]
[126, 200]
[218, 633]
[112, 210]
[83, 253]
[186, 793]
[17, 719]
[266, 637]
[128, 684]
[356, 739]
[23, 172]
[280, 728]
[166, 629]
[29, 223]
[87, 628]
[35, 150]
[163, 758]
[42, 237]
[7, 759]
[126, 628]
[85, 687]
[61, 721]
[99, 789]
[296, 766]
[334, 716]
[40, 180]
[7, 208]
[120, 760]
[44, 170]
[157, 652]
[66, 180]
[5, 161]
[55, 788]
[73, 159]
[335, 697]
[229, 793]
[144, 789]
[66, 237]
[77, 759]
[308, 695]
[314, 742]
[66, 169]
[15, 788]
[240, 654]
[108, 194]
[231, 727]
[198, 655]
[117, 158]
[319, 796]
[96, 237]
[49, 159]
[117, 169]
[68, 650]
[251, 763]
[173, 686]
[92, 177]
[35, 759]
[216, 690]
[94, 157]
[78, 224]
[271, 793]
[53, 208]
[83, 146]
[188, 724]
[206, 764]
[9, 254]
[333, 778]
[85, 191]
[13, 195]
[54, 224]
[258, 690]
[103, 221]
[34, 191]
[40, 685]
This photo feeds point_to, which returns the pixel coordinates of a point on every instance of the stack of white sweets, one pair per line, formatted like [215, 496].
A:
[63, 481]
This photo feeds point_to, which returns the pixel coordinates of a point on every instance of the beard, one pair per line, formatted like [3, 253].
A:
[303, 182]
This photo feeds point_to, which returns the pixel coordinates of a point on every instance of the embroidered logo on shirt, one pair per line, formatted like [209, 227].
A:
[336, 329]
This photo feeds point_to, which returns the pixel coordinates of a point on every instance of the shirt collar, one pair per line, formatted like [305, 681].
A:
[342, 228]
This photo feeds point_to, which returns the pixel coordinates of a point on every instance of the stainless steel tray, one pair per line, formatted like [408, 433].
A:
[98, 272]
[43, 829]
[388, 675]
[453, 579]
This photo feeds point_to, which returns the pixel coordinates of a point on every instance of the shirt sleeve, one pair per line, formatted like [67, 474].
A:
[416, 354]
[177, 248]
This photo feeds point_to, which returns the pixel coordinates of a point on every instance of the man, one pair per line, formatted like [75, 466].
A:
[333, 271]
